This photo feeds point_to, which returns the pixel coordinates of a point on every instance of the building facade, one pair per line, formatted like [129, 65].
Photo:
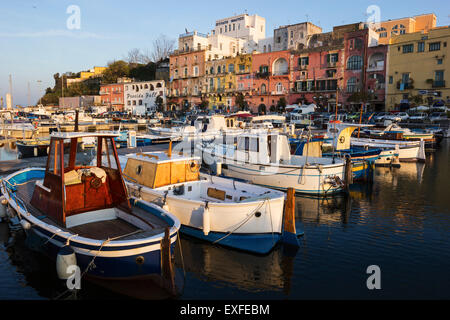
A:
[141, 98]
[295, 36]
[418, 67]
[392, 28]
[112, 95]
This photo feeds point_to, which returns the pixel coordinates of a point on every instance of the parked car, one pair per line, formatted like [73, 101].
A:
[401, 116]
[418, 117]
[380, 116]
[438, 116]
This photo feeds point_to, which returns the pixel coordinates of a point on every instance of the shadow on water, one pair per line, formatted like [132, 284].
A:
[39, 273]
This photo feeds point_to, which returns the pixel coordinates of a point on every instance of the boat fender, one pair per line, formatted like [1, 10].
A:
[66, 257]
[25, 224]
[206, 220]
[35, 151]
[3, 207]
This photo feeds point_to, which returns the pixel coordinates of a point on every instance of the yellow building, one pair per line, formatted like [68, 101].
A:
[94, 72]
[221, 80]
[391, 28]
[418, 67]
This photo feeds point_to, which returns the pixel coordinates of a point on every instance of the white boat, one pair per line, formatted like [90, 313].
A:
[264, 158]
[205, 128]
[408, 151]
[211, 208]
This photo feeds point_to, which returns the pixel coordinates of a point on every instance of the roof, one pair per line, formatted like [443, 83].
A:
[162, 157]
[71, 135]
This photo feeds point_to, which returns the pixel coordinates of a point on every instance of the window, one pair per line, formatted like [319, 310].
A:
[231, 68]
[352, 85]
[140, 102]
[332, 58]
[439, 61]
[439, 75]
[435, 46]
[279, 87]
[263, 89]
[405, 78]
[408, 48]
[382, 32]
[304, 61]
[421, 47]
[225, 28]
[391, 79]
[242, 68]
[354, 63]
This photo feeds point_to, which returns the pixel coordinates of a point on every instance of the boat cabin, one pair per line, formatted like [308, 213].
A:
[262, 147]
[212, 123]
[159, 169]
[70, 187]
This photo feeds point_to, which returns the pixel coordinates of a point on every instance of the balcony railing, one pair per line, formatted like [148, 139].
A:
[438, 84]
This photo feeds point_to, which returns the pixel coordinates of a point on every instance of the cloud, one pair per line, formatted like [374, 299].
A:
[55, 33]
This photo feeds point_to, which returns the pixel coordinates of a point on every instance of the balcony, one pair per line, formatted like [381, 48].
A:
[332, 64]
[376, 66]
[439, 84]
[302, 67]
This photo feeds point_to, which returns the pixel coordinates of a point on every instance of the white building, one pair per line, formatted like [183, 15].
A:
[249, 28]
[140, 97]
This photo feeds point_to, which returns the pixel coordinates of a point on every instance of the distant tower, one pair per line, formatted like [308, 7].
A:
[10, 91]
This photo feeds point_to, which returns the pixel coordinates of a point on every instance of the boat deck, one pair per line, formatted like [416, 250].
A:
[101, 230]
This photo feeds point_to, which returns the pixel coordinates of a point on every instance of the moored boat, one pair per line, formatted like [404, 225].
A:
[215, 209]
[264, 158]
[85, 212]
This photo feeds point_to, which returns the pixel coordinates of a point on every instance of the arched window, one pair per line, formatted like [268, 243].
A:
[158, 85]
[211, 71]
[402, 29]
[279, 87]
[352, 85]
[354, 63]
[270, 48]
[280, 67]
[264, 50]
[398, 29]
[218, 69]
[152, 87]
[231, 68]
[382, 32]
[263, 89]
[146, 86]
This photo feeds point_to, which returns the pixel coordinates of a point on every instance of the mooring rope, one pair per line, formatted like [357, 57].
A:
[251, 215]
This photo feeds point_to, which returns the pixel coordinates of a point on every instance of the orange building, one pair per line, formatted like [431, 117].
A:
[395, 27]
[272, 80]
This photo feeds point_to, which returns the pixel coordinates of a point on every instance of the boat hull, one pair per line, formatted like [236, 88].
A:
[233, 225]
[107, 259]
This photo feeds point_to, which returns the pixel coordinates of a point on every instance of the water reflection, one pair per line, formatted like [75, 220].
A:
[245, 271]
[323, 210]
[8, 150]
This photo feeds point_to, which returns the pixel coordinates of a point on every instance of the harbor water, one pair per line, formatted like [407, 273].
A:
[400, 223]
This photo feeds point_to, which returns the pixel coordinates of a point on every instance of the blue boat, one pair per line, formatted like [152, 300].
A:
[83, 214]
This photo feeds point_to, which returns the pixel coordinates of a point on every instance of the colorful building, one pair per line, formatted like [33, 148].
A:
[418, 65]
[112, 95]
[391, 28]
[272, 80]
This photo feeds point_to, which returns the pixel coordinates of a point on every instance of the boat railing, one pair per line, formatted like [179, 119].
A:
[19, 202]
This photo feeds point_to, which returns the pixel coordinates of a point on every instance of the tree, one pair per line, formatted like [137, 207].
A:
[115, 70]
[262, 108]
[162, 48]
[281, 104]
[240, 102]
[159, 104]
[203, 105]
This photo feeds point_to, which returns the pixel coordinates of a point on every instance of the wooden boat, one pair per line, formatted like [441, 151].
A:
[215, 209]
[264, 158]
[86, 210]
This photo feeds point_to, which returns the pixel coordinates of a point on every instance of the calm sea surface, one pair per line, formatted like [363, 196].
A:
[401, 223]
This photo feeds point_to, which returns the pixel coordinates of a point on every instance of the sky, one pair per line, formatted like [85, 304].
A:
[36, 41]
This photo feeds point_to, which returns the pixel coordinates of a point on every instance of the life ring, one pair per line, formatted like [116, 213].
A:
[36, 124]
